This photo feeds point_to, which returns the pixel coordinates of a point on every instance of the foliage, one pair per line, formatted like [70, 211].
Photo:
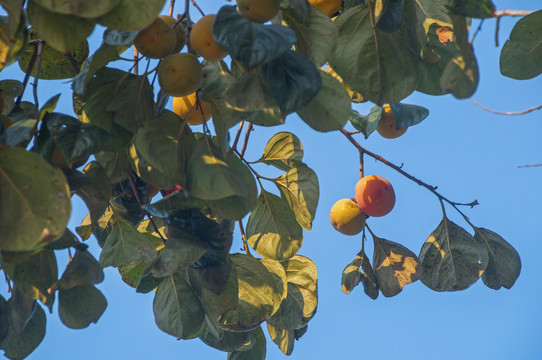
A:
[179, 245]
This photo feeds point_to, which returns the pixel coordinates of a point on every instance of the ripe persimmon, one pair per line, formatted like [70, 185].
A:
[346, 217]
[387, 125]
[157, 40]
[258, 10]
[187, 108]
[179, 30]
[375, 195]
[328, 7]
[179, 74]
[202, 41]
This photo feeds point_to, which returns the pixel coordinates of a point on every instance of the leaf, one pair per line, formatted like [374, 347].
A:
[52, 26]
[352, 275]
[177, 309]
[522, 53]
[283, 338]
[125, 244]
[366, 124]
[256, 352]
[80, 8]
[259, 295]
[13, 39]
[209, 176]
[82, 269]
[251, 44]
[481, 9]
[451, 258]
[504, 263]
[80, 306]
[316, 38]
[330, 109]
[381, 74]
[131, 15]
[392, 16]
[97, 193]
[279, 275]
[395, 266]
[301, 301]
[4, 319]
[283, 148]
[116, 164]
[10, 89]
[228, 340]
[22, 309]
[272, 229]
[250, 82]
[18, 133]
[408, 115]
[293, 79]
[299, 187]
[299, 10]
[150, 174]
[35, 200]
[19, 346]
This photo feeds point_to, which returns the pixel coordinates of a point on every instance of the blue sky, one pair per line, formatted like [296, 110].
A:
[467, 152]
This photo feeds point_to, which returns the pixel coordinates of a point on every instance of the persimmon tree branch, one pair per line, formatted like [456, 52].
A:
[171, 6]
[39, 52]
[29, 69]
[244, 237]
[529, 165]
[250, 127]
[506, 112]
[197, 7]
[506, 12]
[399, 169]
[237, 136]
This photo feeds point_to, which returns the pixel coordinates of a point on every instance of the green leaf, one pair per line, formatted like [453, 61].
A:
[293, 79]
[256, 352]
[330, 109]
[352, 275]
[279, 275]
[20, 132]
[10, 89]
[22, 308]
[301, 301]
[504, 263]
[19, 346]
[52, 27]
[272, 229]
[13, 39]
[283, 148]
[382, 74]
[125, 244]
[299, 10]
[317, 38]
[367, 124]
[4, 319]
[131, 15]
[522, 53]
[283, 338]
[392, 17]
[55, 64]
[250, 82]
[251, 44]
[259, 295]
[481, 9]
[150, 174]
[408, 115]
[177, 309]
[79, 7]
[299, 187]
[14, 9]
[209, 176]
[97, 193]
[228, 340]
[451, 258]
[80, 306]
[395, 266]
[172, 204]
[35, 200]
[116, 164]
[82, 269]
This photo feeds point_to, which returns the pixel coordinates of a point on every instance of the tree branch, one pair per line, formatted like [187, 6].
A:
[245, 143]
[506, 12]
[37, 75]
[506, 112]
[529, 165]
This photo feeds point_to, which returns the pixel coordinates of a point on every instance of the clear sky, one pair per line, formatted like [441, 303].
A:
[467, 152]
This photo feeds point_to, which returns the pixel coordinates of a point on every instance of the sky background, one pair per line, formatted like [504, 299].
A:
[465, 151]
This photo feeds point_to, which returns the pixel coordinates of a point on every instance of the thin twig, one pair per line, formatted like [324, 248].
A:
[506, 112]
[237, 136]
[507, 12]
[171, 6]
[37, 76]
[245, 142]
[29, 69]
[433, 189]
[136, 61]
[244, 237]
[75, 66]
[140, 203]
[361, 152]
[529, 165]
[476, 32]
[197, 7]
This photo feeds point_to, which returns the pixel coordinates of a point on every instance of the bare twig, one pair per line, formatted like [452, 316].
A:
[37, 75]
[29, 69]
[234, 146]
[136, 61]
[244, 237]
[476, 32]
[247, 135]
[529, 165]
[506, 112]
[197, 7]
[399, 169]
[171, 6]
[361, 152]
[507, 12]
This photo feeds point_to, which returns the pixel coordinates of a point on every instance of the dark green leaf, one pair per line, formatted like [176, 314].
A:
[10, 89]
[367, 124]
[256, 352]
[283, 338]
[250, 43]
[392, 16]
[22, 309]
[474, 8]
[408, 115]
[228, 340]
[4, 319]
[82, 269]
[97, 193]
[132, 15]
[79, 7]
[283, 148]
[272, 229]
[116, 164]
[80, 306]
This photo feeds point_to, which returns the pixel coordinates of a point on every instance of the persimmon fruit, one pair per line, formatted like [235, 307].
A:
[387, 125]
[258, 11]
[187, 108]
[179, 30]
[328, 7]
[375, 195]
[179, 74]
[202, 41]
[157, 40]
[346, 217]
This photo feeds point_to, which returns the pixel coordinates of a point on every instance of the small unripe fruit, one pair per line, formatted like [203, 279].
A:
[187, 108]
[179, 30]
[157, 40]
[346, 217]
[179, 74]
[328, 7]
[202, 41]
[375, 195]
[387, 125]
[258, 10]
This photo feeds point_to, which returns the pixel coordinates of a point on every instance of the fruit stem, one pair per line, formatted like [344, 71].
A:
[197, 7]
[399, 169]
[171, 6]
